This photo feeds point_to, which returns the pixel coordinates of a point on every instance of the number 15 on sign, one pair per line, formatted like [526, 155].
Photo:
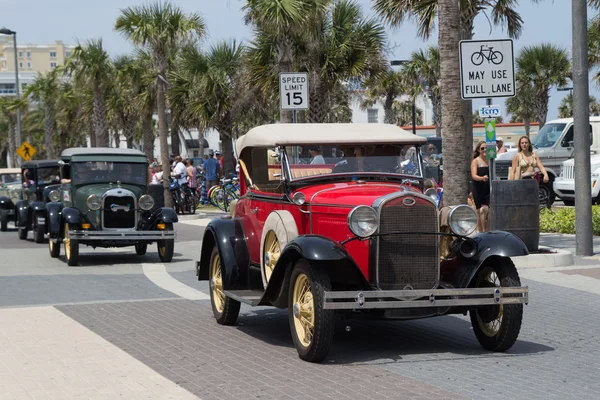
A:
[293, 90]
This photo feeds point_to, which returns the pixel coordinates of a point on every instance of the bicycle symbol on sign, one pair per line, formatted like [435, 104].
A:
[495, 57]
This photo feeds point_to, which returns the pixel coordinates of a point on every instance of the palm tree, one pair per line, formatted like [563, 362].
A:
[544, 66]
[124, 93]
[565, 109]
[522, 106]
[91, 67]
[213, 99]
[161, 28]
[403, 113]
[44, 90]
[281, 23]
[384, 87]
[70, 117]
[6, 110]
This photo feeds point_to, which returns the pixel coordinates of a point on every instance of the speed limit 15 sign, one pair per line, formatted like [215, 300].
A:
[293, 90]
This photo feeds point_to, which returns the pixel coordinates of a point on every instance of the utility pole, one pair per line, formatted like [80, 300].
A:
[581, 116]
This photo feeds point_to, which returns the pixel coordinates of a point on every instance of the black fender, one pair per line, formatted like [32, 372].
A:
[323, 252]
[228, 235]
[167, 215]
[36, 209]
[491, 244]
[23, 213]
[6, 203]
[54, 218]
[72, 216]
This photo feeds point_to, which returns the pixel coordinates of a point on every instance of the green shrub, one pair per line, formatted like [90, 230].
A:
[562, 220]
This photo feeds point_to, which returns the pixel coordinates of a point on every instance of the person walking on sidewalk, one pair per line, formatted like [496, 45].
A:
[480, 172]
[525, 162]
[211, 170]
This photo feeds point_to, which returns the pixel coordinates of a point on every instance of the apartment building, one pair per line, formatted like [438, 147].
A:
[31, 58]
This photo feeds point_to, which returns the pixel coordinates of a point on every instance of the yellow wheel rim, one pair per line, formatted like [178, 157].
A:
[67, 242]
[216, 283]
[51, 244]
[272, 251]
[491, 328]
[162, 249]
[304, 311]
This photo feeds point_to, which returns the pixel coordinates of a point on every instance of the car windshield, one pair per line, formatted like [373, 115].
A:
[310, 160]
[548, 135]
[48, 176]
[106, 171]
[10, 178]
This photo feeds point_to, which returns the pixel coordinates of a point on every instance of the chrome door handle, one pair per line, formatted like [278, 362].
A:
[254, 210]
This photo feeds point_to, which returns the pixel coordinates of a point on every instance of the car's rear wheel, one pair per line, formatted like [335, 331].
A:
[225, 309]
[497, 327]
[54, 248]
[71, 248]
[38, 231]
[3, 222]
[166, 247]
[140, 248]
[311, 325]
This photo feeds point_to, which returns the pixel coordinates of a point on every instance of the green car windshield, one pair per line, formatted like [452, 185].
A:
[106, 171]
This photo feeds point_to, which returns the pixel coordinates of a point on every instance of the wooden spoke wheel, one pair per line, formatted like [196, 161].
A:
[280, 228]
[497, 327]
[71, 248]
[165, 247]
[311, 325]
[225, 309]
[53, 248]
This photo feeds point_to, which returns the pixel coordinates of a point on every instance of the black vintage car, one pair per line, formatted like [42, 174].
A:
[39, 179]
[10, 189]
[103, 202]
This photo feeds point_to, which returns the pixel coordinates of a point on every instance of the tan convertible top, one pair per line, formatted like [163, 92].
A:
[332, 134]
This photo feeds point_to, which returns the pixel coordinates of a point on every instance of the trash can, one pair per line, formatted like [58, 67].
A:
[515, 208]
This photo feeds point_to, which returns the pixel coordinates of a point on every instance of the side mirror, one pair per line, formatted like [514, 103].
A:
[571, 143]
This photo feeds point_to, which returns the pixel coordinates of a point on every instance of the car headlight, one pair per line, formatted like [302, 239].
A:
[93, 202]
[146, 202]
[431, 192]
[363, 221]
[462, 220]
[54, 195]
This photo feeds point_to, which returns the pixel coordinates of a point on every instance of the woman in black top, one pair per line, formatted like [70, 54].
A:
[481, 186]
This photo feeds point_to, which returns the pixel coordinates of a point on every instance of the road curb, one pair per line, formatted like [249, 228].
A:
[558, 258]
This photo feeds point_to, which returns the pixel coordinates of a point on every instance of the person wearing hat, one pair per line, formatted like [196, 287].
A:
[500, 145]
[315, 153]
[211, 170]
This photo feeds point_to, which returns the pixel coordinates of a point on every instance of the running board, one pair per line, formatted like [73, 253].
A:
[251, 297]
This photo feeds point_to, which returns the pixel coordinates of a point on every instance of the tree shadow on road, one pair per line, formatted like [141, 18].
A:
[115, 258]
[381, 342]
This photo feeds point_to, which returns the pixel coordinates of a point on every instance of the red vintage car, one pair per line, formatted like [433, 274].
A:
[333, 220]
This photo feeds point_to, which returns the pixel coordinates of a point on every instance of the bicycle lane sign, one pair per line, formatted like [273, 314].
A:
[487, 68]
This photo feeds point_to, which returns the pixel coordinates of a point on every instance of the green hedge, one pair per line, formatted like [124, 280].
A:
[562, 220]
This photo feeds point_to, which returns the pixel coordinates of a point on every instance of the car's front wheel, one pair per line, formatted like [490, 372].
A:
[311, 325]
[71, 248]
[225, 309]
[38, 231]
[497, 327]
[140, 248]
[166, 247]
[3, 222]
[54, 248]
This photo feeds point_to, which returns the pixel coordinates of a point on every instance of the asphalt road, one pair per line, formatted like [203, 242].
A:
[155, 319]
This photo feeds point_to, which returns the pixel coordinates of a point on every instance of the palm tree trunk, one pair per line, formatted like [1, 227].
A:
[49, 131]
[92, 134]
[541, 106]
[319, 104]
[148, 134]
[527, 124]
[201, 140]
[12, 149]
[388, 113]
[175, 142]
[454, 136]
[227, 145]
[99, 118]
[436, 102]
[467, 20]
[162, 138]
[285, 58]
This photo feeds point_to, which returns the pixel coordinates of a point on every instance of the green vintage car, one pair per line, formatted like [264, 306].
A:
[10, 188]
[104, 202]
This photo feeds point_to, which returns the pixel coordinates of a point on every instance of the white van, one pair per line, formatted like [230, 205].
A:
[553, 144]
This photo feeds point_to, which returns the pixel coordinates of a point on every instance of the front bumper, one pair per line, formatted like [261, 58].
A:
[389, 299]
[565, 188]
[120, 235]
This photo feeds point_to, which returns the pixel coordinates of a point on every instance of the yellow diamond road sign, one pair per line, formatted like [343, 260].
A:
[26, 151]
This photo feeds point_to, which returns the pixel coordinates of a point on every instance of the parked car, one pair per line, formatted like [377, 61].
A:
[103, 203]
[553, 144]
[39, 177]
[356, 238]
[10, 189]
[564, 184]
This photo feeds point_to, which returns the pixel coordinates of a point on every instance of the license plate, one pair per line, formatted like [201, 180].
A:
[41, 220]
[10, 212]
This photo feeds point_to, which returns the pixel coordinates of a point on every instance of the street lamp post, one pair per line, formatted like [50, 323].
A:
[395, 63]
[5, 31]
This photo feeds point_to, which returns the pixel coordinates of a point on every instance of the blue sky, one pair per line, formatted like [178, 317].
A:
[43, 21]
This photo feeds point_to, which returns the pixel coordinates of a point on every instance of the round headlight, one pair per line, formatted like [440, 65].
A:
[299, 198]
[462, 220]
[93, 202]
[146, 202]
[431, 192]
[54, 195]
[363, 221]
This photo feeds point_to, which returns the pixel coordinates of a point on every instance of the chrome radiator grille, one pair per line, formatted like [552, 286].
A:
[408, 260]
[119, 212]
[567, 172]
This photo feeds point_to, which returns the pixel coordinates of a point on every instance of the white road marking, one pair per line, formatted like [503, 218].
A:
[46, 354]
[158, 274]
[553, 276]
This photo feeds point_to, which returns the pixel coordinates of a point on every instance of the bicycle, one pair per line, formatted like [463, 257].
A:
[224, 193]
[495, 57]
